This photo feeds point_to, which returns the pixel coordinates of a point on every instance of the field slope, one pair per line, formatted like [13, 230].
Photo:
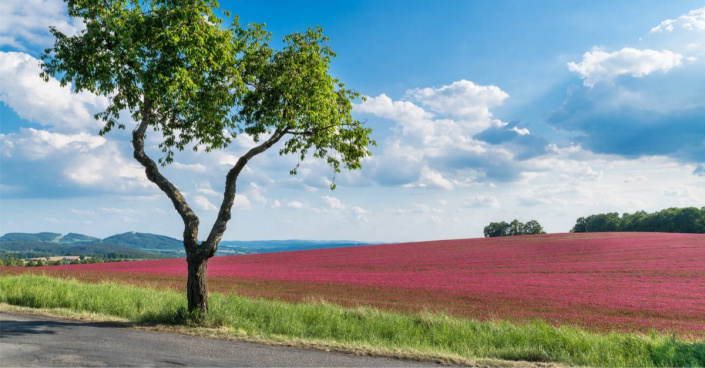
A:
[602, 281]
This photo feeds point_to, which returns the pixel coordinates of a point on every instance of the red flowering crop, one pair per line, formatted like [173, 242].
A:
[626, 281]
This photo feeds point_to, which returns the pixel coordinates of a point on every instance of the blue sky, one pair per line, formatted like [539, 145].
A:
[484, 111]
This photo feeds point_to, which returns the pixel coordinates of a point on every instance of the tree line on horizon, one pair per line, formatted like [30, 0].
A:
[513, 228]
[670, 220]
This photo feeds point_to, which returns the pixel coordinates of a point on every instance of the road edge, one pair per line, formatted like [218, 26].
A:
[228, 334]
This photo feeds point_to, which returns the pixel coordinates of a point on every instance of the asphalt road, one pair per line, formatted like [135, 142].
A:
[38, 341]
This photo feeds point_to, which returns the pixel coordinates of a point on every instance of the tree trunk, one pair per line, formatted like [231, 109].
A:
[196, 287]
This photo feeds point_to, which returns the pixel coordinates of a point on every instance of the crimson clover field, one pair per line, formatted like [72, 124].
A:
[601, 281]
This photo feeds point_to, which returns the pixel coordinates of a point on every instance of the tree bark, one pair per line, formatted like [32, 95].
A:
[197, 253]
[196, 286]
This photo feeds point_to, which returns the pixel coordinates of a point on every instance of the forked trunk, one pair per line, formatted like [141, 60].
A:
[196, 287]
[197, 254]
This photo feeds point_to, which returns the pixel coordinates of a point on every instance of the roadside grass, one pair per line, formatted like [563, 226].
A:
[319, 324]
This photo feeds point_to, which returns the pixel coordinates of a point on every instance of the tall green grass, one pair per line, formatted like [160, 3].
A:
[425, 333]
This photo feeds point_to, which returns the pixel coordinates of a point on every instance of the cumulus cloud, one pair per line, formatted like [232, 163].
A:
[599, 66]
[462, 99]
[33, 144]
[204, 203]
[45, 103]
[434, 179]
[437, 139]
[693, 20]
[661, 114]
[55, 164]
[519, 141]
[609, 123]
[26, 22]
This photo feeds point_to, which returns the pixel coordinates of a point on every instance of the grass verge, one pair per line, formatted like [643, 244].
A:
[364, 331]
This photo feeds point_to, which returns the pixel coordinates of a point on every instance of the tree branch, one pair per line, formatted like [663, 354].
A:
[210, 246]
[152, 170]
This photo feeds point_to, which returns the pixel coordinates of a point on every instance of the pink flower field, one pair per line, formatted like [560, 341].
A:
[603, 281]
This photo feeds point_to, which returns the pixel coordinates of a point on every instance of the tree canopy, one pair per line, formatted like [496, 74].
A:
[513, 228]
[670, 220]
[206, 81]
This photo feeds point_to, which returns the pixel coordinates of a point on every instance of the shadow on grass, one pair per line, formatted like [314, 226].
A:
[679, 353]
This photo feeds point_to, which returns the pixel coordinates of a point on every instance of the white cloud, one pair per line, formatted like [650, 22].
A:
[106, 170]
[205, 188]
[693, 20]
[256, 193]
[360, 214]
[438, 150]
[333, 202]
[190, 167]
[385, 107]
[34, 144]
[520, 131]
[295, 205]
[462, 99]
[241, 201]
[699, 170]
[46, 103]
[26, 22]
[434, 179]
[359, 211]
[600, 66]
[81, 159]
[204, 203]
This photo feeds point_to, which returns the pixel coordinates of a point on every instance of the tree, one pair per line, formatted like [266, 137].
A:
[495, 229]
[178, 70]
[532, 228]
[514, 228]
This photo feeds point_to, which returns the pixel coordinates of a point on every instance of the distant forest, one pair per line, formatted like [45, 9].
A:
[670, 220]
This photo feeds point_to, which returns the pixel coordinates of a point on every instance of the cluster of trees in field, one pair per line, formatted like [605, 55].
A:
[670, 220]
[515, 227]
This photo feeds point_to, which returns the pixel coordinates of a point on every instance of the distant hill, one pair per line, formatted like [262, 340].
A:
[38, 237]
[145, 245]
[23, 249]
[128, 245]
[146, 241]
[78, 238]
[46, 237]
